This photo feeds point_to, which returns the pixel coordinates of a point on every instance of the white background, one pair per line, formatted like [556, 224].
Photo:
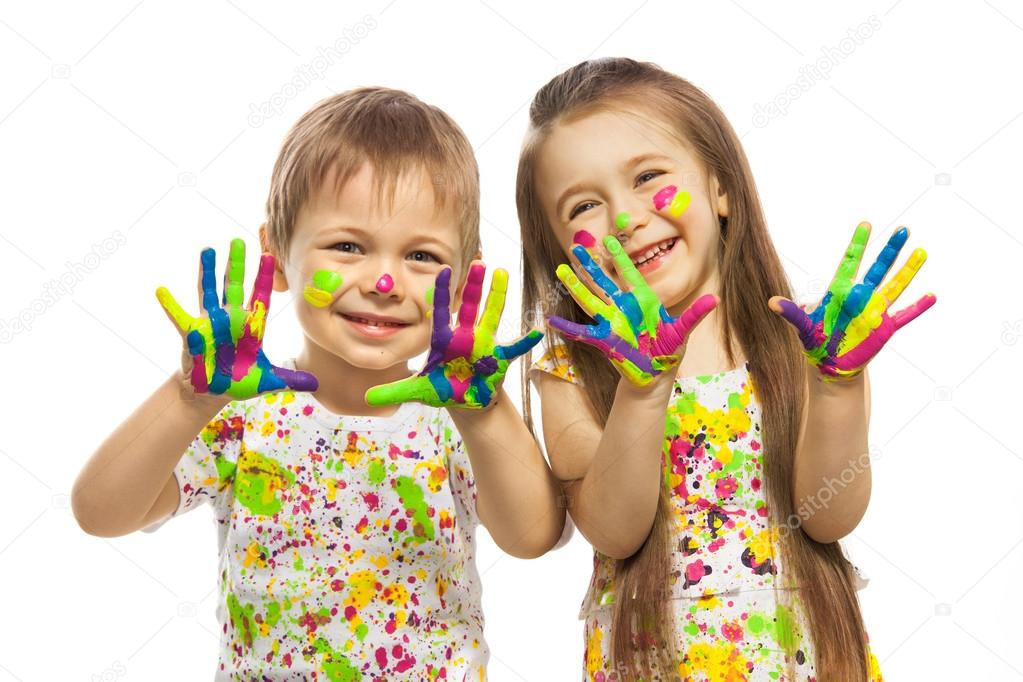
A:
[134, 118]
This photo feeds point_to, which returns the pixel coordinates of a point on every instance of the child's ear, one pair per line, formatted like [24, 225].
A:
[280, 281]
[720, 198]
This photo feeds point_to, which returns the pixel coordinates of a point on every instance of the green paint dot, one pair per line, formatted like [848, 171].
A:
[692, 629]
[429, 296]
[756, 623]
[376, 471]
[328, 280]
[622, 220]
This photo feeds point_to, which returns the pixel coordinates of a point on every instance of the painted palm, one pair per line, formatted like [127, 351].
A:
[226, 343]
[631, 327]
[851, 323]
[465, 367]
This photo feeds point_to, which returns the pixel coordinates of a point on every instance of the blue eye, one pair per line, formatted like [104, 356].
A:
[347, 247]
[580, 208]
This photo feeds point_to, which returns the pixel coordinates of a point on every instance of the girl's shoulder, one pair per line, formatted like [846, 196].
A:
[556, 360]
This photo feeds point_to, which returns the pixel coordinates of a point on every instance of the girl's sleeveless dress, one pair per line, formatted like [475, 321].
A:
[738, 616]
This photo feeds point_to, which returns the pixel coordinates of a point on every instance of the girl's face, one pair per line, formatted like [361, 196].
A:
[594, 169]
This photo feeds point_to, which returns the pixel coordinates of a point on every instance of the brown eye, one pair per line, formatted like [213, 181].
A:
[585, 206]
[347, 247]
[647, 177]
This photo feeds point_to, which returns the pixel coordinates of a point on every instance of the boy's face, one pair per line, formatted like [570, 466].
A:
[370, 323]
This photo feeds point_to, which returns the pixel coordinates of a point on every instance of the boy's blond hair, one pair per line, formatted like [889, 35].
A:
[394, 132]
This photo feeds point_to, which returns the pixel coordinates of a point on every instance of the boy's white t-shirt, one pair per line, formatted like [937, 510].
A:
[347, 544]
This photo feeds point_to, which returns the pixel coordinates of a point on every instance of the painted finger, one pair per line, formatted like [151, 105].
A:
[647, 300]
[521, 347]
[910, 313]
[494, 306]
[670, 337]
[595, 272]
[809, 333]
[234, 275]
[587, 300]
[472, 292]
[884, 260]
[181, 319]
[441, 336]
[850, 265]
[263, 286]
[413, 389]
[898, 283]
[296, 379]
[219, 320]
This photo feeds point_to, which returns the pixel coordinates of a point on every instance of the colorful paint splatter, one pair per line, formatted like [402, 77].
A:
[347, 544]
[732, 622]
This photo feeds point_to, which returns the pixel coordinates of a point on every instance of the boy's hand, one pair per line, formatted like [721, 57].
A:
[851, 323]
[465, 367]
[225, 343]
[634, 330]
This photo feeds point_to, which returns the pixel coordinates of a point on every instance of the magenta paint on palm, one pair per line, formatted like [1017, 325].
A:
[385, 283]
[664, 196]
[584, 239]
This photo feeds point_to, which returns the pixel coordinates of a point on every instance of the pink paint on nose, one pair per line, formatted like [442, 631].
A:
[385, 283]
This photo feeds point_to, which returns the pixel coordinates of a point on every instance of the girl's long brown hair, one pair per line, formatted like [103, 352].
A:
[751, 273]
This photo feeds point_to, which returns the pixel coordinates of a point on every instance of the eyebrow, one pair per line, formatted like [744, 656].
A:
[634, 161]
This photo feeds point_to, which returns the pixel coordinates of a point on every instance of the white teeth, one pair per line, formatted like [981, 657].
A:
[654, 251]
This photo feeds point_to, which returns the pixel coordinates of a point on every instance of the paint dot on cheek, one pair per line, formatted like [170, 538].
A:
[584, 239]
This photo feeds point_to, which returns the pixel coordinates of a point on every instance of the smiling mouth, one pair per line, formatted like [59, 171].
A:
[374, 322]
[656, 251]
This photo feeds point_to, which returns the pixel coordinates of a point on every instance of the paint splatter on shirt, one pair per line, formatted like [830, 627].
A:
[347, 544]
[738, 612]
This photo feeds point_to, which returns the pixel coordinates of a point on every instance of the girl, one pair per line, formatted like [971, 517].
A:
[714, 559]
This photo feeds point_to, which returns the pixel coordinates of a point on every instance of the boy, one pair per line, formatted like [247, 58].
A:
[346, 532]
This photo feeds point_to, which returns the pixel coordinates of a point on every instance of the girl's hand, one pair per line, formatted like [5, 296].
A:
[851, 323]
[225, 343]
[634, 330]
[465, 367]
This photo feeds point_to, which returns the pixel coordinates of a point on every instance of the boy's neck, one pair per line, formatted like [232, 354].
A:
[343, 386]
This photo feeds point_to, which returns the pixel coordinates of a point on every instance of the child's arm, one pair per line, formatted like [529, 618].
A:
[615, 501]
[833, 454]
[128, 482]
[840, 336]
[517, 497]
[516, 493]
[611, 475]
